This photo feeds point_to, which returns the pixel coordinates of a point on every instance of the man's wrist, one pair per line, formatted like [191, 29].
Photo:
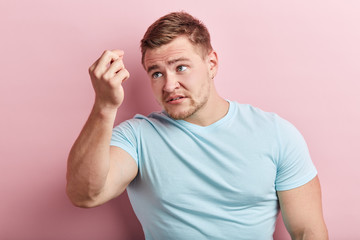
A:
[104, 111]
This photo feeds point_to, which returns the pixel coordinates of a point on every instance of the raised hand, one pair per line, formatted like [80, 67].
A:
[107, 75]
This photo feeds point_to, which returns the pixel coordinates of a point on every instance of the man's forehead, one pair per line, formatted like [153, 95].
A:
[178, 48]
[152, 56]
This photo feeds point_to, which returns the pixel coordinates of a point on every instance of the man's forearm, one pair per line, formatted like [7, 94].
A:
[89, 160]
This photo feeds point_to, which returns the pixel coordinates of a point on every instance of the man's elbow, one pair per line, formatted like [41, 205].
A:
[317, 235]
[320, 233]
[81, 201]
[83, 204]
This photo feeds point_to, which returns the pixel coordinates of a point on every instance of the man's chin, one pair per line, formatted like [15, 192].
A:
[179, 115]
[181, 111]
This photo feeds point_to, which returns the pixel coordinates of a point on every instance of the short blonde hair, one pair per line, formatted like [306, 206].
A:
[173, 25]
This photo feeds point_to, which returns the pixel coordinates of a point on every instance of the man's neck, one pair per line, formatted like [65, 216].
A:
[215, 109]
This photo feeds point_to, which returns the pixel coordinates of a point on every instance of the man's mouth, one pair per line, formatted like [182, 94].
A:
[174, 98]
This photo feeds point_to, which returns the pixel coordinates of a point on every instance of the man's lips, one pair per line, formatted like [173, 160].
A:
[174, 98]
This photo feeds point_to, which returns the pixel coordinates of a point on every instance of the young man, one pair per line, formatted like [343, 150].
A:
[205, 167]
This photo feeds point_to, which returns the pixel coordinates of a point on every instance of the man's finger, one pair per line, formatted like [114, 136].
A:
[92, 67]
[122, 76]
[107, 57]
[115, 67]
[119, 52]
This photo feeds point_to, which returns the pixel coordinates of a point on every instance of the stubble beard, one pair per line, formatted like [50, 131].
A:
[194, 106]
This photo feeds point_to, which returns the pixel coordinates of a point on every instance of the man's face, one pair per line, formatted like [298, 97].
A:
[181, 78]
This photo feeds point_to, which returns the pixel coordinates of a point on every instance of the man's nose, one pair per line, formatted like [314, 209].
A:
[171, 83]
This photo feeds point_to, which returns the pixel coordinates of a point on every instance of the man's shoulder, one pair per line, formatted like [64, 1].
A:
[139, 120]
[256, 118]
[153, 117]
[270, 122]
[253, 113]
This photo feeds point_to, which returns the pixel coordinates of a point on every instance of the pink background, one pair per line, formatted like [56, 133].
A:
[300, 59]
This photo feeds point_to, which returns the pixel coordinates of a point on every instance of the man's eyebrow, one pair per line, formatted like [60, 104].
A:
[170, 62]
[152, 67]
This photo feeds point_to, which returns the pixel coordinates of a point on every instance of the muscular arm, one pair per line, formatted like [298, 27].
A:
[97, 172]
[301, 209]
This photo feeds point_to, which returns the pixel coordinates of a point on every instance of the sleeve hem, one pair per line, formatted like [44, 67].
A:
[125, 148]
[299, 183]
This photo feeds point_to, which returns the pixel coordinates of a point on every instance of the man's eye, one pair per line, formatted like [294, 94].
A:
[156, 75]
[181, 68]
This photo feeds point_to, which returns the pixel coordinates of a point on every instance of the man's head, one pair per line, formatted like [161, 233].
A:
[181, 65]
[173, 25]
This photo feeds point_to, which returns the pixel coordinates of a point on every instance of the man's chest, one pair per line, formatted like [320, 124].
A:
[223, 168]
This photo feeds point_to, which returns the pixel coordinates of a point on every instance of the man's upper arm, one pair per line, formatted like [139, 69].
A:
[123, 169]
[301, 209]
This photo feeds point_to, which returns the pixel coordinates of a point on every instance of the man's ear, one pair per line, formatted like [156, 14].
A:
[213, 64]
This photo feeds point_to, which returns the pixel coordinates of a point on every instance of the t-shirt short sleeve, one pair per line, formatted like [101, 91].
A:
[295, 167]
[124, 136]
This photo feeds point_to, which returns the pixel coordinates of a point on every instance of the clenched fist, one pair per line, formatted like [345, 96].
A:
[107, 74]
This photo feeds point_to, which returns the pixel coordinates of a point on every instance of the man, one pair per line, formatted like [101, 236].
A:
[205, 167]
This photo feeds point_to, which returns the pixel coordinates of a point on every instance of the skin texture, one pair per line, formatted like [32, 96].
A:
[182, 80]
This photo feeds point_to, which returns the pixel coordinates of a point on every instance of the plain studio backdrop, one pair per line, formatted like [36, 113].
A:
[300, 59]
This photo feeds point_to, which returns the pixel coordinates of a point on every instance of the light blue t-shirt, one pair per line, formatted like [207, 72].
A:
[213, 182]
